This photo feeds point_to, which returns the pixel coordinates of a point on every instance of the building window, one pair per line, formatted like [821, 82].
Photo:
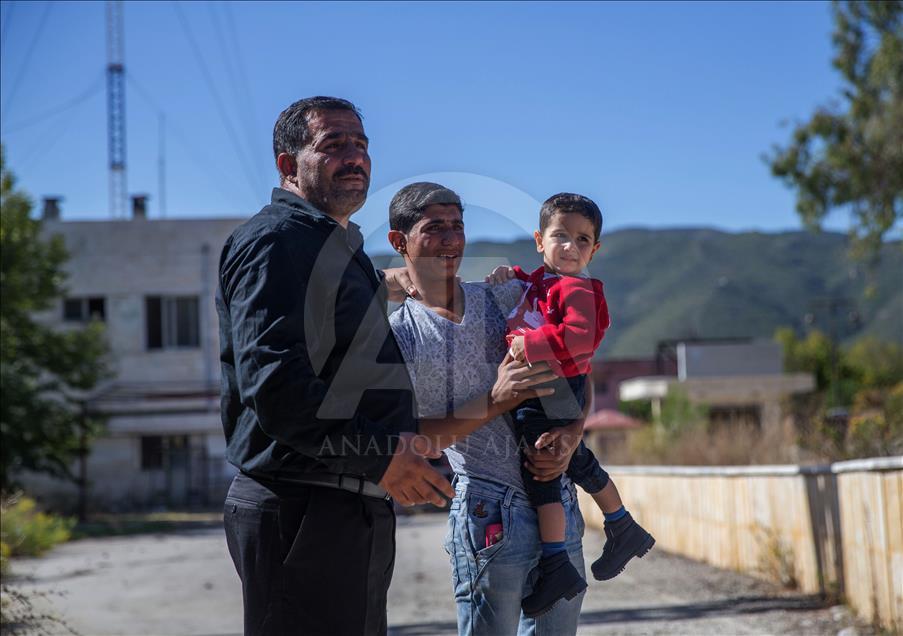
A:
[163, 451]
[84, 309]
[151, 452]
[172, 322]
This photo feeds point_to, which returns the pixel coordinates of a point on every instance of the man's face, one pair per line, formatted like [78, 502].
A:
[435, 244]
[334, 167]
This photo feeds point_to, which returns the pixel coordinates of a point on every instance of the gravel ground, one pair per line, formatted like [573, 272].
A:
[183, 583]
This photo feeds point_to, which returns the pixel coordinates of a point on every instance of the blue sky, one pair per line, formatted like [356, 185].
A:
[659, 111]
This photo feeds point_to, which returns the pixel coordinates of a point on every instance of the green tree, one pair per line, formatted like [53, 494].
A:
[878, 364]
[44, 374]
[850, 154]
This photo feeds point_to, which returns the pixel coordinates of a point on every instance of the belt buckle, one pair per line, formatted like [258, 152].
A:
[350, 487]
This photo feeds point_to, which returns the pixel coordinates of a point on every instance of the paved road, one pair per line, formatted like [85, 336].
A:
[183, 584]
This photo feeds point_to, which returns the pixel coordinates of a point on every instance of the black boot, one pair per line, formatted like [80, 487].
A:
[558, 579]
[626, 539]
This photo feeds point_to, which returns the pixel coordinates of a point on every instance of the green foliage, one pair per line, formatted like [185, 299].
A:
[637, 409]
[850, 154]
[866, 364]
[29, 532]
[876, 428]
[43, 373]
[878, 364]
[679, 413]
[5, 553]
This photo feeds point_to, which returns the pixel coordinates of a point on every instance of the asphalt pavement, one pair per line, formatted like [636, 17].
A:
[183, 583]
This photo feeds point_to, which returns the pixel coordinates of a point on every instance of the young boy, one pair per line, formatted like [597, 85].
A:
[561, 319]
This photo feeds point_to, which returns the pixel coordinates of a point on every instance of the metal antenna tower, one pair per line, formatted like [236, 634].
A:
[116, 108]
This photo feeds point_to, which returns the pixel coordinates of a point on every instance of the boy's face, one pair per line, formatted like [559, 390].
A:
[567, 244]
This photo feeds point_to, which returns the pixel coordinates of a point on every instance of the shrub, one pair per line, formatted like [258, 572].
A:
[5, 552]
[26, 531]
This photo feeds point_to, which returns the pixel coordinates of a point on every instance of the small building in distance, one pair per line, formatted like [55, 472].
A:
[740, 380]
[152, 283]
[608, 375]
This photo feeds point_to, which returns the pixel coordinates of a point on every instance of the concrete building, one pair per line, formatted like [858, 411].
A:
[152, 283]
[739, 380]
[608, 375]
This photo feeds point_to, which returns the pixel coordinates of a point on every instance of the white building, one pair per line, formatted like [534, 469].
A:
[152, 282]
[739, 381]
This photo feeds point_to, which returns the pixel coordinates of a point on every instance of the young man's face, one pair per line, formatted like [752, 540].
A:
[334, 167]
[567, 244]
[435, 244]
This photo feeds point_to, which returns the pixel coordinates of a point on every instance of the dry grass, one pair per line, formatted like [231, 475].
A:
[701, 445]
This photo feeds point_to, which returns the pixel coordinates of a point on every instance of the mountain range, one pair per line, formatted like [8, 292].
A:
[703, 283]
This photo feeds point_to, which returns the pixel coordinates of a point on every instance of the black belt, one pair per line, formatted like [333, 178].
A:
[342, 482]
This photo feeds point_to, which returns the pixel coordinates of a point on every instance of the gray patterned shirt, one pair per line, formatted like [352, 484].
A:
[451, 363]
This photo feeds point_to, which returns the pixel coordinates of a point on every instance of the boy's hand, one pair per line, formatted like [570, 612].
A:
[500, 274]
[399, 284]
[517, 350]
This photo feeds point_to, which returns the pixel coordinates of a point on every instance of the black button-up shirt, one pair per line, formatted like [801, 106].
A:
[312, 379]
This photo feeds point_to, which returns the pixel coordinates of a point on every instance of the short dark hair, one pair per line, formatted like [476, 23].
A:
[408, 204]
[568, 203]
[290, 132]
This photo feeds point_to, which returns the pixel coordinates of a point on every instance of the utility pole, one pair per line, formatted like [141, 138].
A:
[116, 108]
[161, 164]
[82, 461]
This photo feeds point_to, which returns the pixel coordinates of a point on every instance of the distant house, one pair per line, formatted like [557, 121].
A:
[608, 375]
[739, 380]
[152, 283]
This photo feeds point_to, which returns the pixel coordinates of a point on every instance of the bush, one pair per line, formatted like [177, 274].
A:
[26, 531]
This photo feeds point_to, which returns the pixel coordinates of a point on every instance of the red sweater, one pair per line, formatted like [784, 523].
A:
[562, 318]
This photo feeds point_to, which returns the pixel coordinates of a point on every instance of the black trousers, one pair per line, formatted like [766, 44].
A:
[314, 561]
[538, 415]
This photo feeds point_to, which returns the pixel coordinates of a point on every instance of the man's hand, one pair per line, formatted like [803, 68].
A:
[515, 379]
[399, 284]
[499, 275]
[410, 479]
[553, 450]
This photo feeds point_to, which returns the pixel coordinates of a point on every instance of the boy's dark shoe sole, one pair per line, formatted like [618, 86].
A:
[625, 542]
[564, 578]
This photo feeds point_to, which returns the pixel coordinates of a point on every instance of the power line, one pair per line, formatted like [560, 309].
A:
[242, 73]
[180, 136]
[92, 90]
[205, 72]
[232, 75]
[6, 23]
[31, 46]
[47, 142]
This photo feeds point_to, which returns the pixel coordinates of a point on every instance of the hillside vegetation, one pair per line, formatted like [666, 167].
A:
[683, 283]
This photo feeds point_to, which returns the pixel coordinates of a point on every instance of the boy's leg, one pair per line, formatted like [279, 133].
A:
[625, 538]
[558, 578]
[585, 471]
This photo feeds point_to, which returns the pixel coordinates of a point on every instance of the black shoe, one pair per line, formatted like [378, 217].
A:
[626, 539]
[558, 579]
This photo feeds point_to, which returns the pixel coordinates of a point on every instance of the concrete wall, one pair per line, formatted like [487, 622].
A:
[834, 529]
[124, 261]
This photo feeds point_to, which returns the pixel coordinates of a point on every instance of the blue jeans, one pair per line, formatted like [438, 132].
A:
[489, 582]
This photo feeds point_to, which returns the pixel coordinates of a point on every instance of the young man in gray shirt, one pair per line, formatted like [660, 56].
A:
[452, 338]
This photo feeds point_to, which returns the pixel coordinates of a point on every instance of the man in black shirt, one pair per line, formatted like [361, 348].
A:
[317, 406]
